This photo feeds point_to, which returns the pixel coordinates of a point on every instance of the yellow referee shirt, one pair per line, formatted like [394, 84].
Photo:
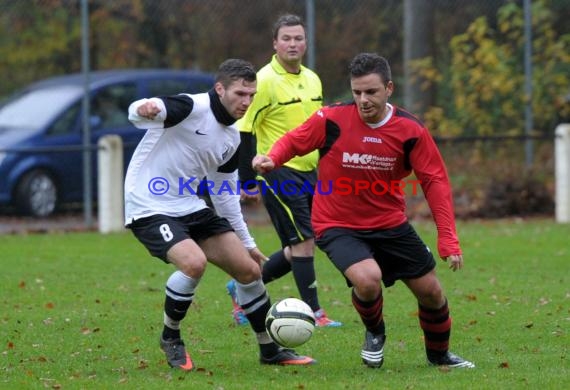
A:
[283, 101]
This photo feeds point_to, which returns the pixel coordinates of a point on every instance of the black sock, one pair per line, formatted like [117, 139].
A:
[275, 267]
[168, 333]
[304, 273]
[269, 350]
[176, 311]
[256, 318]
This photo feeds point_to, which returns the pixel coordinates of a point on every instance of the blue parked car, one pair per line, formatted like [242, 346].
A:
[41, 141]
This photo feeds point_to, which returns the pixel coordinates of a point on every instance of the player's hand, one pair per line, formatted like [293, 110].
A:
[259, 257]
[250, 195]
[262, 163]
[455, 261]
[148, 110]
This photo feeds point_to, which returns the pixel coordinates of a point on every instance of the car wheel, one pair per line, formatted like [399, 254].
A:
[36, 194]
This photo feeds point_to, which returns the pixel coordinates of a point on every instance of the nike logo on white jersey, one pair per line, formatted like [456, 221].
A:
[199, 132]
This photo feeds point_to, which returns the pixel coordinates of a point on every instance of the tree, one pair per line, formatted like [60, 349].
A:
[486, 77]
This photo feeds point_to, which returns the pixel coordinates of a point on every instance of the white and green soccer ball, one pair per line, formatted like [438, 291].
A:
[290, 322]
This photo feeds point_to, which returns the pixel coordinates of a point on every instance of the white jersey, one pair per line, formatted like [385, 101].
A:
[192, 138]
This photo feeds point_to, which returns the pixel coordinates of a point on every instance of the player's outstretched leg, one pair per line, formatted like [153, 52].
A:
[179, 294]
[256, 304]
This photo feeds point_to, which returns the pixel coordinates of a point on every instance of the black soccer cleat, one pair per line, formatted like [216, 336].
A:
[176, 354]
[287, 357]
[448, 359]
[373, 349]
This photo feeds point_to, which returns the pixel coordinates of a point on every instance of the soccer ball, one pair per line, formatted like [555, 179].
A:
[290, 322]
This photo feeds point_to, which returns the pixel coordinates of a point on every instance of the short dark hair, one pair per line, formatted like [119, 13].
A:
[287, 20]
[367, 63]
[234, 69]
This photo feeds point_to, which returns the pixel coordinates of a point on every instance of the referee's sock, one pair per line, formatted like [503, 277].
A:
[304, 273]
[275, 267]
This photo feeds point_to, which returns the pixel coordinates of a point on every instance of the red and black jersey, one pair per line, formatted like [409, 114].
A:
[362, 171]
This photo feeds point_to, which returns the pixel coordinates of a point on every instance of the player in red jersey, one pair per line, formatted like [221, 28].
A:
[364, 232]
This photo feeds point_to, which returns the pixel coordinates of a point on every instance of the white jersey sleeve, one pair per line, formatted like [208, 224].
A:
[144, 123]
[226, 200]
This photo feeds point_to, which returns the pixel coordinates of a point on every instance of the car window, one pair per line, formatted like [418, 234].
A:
[36, 108]
[111, 104]
[174, 87]
[65, 124]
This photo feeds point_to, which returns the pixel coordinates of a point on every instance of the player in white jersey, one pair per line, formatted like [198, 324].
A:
[190, 137]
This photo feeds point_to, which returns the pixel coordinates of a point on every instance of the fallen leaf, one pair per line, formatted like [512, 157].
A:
[22, 284]
[504, 365]
[49, 305]
[10, 345]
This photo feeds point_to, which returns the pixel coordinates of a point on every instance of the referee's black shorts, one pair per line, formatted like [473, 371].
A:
[399, 252]
[288, 197]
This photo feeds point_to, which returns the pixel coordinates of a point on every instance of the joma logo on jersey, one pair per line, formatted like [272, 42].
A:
[356, 158]
[372, 139]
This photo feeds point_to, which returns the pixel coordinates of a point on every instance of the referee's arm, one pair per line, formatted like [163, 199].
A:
[246, 153]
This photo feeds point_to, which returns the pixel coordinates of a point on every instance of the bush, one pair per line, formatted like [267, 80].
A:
[516, 195]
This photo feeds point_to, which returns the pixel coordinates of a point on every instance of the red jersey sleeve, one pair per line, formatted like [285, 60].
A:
[302, 140]
[430, 170]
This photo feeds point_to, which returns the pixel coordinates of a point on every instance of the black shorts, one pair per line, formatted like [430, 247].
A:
[399, 252]
[288, 197]
[158, 233]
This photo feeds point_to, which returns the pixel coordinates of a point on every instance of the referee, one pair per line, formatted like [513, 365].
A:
[287, 94]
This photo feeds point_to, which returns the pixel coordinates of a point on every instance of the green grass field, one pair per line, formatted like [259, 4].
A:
[84, 311]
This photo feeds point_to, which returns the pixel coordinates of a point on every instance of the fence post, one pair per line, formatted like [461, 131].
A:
[110, 184]
[562, 172]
